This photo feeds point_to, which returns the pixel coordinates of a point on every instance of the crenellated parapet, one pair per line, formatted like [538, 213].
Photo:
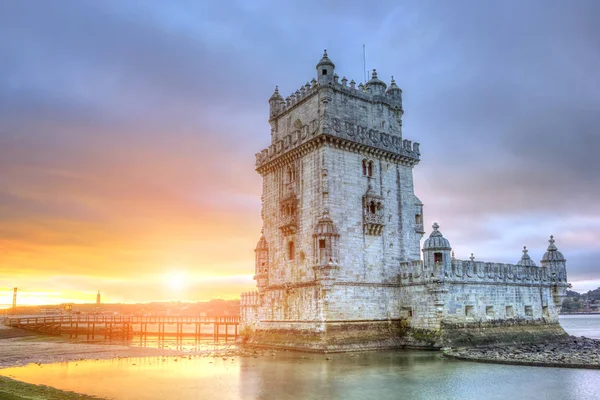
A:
[469, 271]
[324, 111]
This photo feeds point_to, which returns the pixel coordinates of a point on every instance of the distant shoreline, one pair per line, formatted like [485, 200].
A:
[580, 313]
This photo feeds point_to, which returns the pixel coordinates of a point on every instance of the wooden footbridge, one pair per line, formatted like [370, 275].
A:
[118, 327]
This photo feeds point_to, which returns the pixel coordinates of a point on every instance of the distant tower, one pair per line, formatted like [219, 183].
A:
[98, 298]
[14, 298]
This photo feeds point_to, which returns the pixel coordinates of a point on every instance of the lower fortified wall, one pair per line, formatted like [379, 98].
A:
[437, 302]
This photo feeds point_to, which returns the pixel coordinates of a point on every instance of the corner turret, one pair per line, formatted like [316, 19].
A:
[395, 93]
[437, 253]
[375, 85]
[325, 70]
[276, 103]
[557, 269]
[262, 263]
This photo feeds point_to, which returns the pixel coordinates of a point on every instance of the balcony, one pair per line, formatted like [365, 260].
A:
[419, 229]
[373, 223]
[288, 224]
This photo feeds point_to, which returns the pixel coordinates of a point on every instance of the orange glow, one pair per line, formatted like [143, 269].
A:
[122, 221]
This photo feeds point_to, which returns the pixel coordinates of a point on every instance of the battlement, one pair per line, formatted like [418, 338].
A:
[392, 97]
[367, 118]
[469, 271]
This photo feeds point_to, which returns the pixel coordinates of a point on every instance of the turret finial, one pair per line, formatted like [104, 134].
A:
[374, 74]
[551, 246]
[472, 258]
[435, 226]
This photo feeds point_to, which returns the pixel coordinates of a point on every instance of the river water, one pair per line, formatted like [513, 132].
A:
[295, 376]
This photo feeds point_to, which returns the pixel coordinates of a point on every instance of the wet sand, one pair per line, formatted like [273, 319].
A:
[21, 347]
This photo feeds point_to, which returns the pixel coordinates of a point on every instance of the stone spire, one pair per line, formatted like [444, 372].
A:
[525, 260]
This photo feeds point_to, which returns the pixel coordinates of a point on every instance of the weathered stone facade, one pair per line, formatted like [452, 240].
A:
[339, 267]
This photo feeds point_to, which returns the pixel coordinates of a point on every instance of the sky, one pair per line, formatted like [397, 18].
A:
[128, 131]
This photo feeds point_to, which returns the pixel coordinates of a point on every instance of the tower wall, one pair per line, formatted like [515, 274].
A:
[341, 239]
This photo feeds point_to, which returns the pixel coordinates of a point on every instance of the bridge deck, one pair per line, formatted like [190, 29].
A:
[126, 327]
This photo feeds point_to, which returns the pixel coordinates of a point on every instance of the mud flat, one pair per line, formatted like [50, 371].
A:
[569, 352]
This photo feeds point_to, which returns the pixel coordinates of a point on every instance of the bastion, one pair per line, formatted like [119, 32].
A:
[339, 265]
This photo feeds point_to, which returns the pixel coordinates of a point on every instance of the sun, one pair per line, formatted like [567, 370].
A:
[176, 281]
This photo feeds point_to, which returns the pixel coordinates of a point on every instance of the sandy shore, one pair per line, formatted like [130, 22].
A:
[20, 347]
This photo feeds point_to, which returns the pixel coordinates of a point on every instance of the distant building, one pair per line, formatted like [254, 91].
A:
[338, 266]
[98, 298]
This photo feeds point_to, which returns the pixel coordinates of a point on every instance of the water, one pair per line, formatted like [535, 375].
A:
[582, 325]
[294, 376]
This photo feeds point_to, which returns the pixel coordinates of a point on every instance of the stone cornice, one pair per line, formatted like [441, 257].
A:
[404, 158]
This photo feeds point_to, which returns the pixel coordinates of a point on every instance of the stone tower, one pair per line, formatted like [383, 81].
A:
[339, 214]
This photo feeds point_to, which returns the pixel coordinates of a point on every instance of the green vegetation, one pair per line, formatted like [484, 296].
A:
[582, 302]
[15, 390]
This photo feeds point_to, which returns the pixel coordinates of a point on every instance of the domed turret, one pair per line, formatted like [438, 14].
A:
[375, 85]
[437, 252]
[525, 260]
[325, 240]
[552, 254]
[276, 102]
[436, 240]
[395, 92]
[325, 69]
[262, 263]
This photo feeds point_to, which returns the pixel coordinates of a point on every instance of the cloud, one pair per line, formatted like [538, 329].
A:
[127, 129]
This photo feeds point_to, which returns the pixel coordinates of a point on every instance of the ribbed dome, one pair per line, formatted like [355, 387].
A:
[375, 81]
[276, 95]
[325, 61]
[325, 226]
[436, 240]
[262, 243]
[552, 254]
[525, 260]
[393, 87]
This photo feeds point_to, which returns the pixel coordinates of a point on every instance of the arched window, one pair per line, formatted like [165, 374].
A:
[290, 175]
[372, 208]
[367, 168]
[291, 250]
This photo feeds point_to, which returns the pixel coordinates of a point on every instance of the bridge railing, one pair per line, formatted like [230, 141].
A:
[67, 319]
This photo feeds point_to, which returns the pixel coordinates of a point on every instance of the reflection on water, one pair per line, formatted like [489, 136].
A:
[289, 375]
